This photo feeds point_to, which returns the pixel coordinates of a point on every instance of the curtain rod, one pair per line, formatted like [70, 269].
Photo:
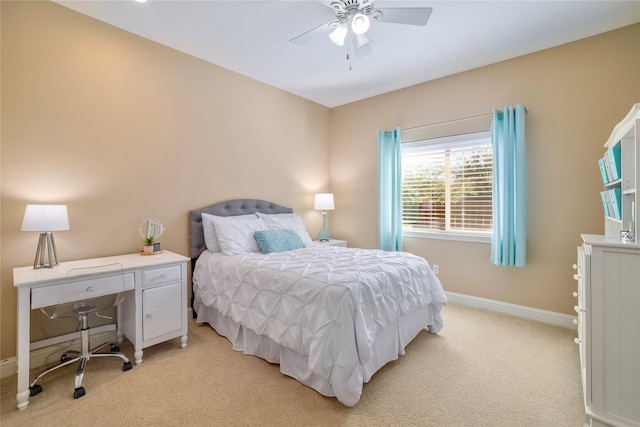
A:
[526, 111]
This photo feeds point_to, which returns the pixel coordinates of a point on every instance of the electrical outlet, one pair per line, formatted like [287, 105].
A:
[436, 269]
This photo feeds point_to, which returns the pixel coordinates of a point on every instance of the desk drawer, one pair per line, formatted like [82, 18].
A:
[158, 276]
[79, 290]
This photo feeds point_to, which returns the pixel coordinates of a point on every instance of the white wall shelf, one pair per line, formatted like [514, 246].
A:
[626, 135]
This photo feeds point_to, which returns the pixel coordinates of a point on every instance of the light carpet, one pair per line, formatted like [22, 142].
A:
[482, 369]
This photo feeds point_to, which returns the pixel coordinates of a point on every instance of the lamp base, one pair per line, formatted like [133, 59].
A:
[323, 234]
[46, 244]
[323, 237]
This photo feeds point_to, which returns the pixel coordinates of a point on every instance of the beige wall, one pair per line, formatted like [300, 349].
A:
[122, 129]
[575, 93]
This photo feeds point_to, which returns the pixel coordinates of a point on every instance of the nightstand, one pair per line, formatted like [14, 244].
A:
[332, 242]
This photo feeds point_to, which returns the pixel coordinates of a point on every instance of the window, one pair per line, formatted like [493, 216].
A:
[447, 187]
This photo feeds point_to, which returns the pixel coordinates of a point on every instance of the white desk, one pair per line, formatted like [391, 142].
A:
[154, 309]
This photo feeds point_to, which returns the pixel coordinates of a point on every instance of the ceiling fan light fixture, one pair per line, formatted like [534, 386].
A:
[362, 40]
[338, 35]
[360, 23]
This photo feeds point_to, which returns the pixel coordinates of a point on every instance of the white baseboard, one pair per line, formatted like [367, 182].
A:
[43, 355]
[544, 316]
[8, 367]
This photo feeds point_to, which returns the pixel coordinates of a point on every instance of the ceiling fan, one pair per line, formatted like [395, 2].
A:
[353, 19]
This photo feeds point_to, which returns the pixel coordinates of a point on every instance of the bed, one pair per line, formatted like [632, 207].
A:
[329, 316]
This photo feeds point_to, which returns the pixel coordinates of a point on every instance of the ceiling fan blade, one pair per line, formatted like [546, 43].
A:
[314, 32]
[404, 15]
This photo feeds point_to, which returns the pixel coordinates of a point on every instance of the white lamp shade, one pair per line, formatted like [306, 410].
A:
[360, 23]
[45, 218]
[362, 40]
[338, 35]
[323, 202]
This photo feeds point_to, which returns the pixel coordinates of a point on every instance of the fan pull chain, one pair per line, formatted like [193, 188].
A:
[349, 51]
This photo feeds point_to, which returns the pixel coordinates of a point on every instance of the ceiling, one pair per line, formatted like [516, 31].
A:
[252, 38]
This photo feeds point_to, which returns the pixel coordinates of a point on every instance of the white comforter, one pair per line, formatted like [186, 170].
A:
[325, 302]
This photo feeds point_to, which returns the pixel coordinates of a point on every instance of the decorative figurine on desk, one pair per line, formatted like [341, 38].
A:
[148, 244]
[151, 230]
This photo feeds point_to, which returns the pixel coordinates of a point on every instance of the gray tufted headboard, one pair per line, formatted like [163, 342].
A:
[228, 208]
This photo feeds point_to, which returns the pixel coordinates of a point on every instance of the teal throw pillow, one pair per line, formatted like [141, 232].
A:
[278, 240]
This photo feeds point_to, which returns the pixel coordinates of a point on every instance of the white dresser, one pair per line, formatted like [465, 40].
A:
[608, 274]
[154, 309]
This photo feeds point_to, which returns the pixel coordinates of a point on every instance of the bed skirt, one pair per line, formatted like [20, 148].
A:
[388, 345]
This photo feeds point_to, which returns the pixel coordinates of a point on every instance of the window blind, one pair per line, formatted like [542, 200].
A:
[447, 184]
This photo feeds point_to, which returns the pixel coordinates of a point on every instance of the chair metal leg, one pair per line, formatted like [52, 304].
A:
[80, 371]
[82, 357]
[96, 349]
[66, 354]
[53, 368]
[124, 358]
[35, 388]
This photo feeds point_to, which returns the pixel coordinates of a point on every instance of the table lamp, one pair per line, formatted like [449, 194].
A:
[324, 202]
[45, 219]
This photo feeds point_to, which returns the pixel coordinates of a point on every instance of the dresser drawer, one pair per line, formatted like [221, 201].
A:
[158, 276]
[81, 289]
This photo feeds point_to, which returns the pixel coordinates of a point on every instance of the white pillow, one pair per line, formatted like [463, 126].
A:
[276, 222]
[235, 234]
[280, 215]
[210, 238]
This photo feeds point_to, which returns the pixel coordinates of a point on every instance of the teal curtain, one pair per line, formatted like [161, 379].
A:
[509, 239]
[389, 191]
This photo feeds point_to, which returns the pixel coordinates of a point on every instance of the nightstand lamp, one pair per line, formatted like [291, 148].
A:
[45, 219]
[324, 202]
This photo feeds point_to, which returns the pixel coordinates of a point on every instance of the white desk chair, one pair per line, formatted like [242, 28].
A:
[82, 309]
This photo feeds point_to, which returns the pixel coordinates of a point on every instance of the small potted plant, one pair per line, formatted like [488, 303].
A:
[148, 244]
